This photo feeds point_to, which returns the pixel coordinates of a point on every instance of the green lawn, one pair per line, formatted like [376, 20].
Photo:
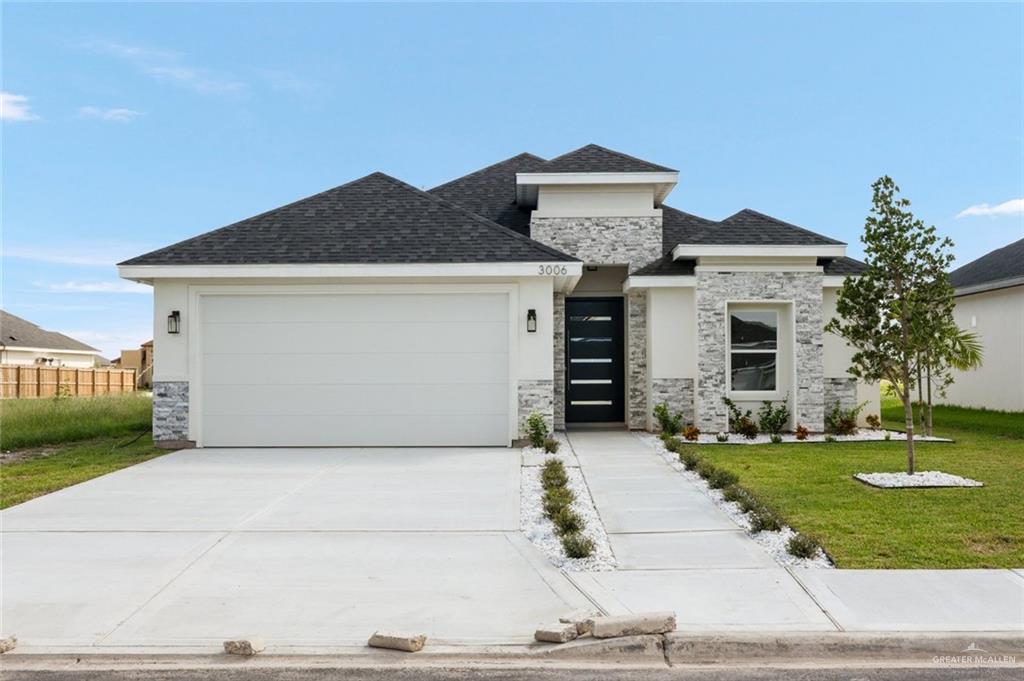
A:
[57, 443]
[30, 423]
[864, 527]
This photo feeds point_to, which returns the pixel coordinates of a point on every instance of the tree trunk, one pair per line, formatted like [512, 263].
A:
[908, 417]
[928, 425]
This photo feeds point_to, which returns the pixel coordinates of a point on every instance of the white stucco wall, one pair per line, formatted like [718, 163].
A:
[998, 319]
[595, 201]
[65, 359]
[672, 329]
[837, 358]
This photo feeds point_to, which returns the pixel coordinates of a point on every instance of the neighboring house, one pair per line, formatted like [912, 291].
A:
[378, 314]
[990, 302]
[142, 361]
[22, 342]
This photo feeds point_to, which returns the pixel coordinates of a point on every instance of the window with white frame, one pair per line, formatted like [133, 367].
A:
[753, 349]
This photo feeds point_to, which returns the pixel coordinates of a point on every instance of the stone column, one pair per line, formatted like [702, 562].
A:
[558, 321]
[636, 360]
[170, 414]
[535, 395]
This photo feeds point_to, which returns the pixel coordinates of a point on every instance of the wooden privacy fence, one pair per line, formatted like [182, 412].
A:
[45, 381]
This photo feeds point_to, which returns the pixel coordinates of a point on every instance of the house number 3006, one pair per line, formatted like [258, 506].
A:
[553, 269]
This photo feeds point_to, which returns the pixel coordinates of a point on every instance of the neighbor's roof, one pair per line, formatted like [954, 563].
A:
[16, 332]
[491, 191]
[597, 159]
[375, 219]
[1001, 265]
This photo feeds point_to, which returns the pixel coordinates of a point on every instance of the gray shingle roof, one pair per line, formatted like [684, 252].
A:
[747, 227]
[597, 159]
[990, 269]
[491, 191]
[841, 266]
[16, 332]
[665, 266]
[375, 219]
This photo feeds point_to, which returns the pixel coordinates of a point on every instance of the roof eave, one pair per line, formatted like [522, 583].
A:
[691, 251]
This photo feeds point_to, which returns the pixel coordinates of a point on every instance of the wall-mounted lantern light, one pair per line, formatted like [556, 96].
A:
[174, 322]
[531, 321]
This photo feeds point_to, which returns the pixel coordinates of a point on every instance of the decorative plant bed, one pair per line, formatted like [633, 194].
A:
[924, 479]
[864, 435]
[540, 530]
[775, 543]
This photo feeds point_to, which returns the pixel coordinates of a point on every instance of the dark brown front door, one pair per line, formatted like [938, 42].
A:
[594, 382]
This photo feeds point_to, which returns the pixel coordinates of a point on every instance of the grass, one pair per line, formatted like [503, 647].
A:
[69, 465]
[31, 423]
[811, 486]
[58, 443]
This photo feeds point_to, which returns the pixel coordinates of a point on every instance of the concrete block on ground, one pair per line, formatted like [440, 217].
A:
[396, 641]
[633, 625]
[8, 643]
[244, 646]
[581, 618]
[556, 633]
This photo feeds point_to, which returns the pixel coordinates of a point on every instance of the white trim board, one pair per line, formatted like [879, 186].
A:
[690, 251]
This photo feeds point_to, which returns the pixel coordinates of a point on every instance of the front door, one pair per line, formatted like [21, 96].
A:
[594, 360]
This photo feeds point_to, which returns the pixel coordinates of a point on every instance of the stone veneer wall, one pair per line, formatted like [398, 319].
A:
[535, 395]
[632, 241]
[636, 360]
[170, 411]
[843, 390]
[714, 291]
[677, 393]
[558, 320]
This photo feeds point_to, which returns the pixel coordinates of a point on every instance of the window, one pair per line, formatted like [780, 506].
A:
[753, 350]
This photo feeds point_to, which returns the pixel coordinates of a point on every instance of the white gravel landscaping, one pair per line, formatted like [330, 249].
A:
[862, 435]
[541, 531]
[920, 479]
[774, 543]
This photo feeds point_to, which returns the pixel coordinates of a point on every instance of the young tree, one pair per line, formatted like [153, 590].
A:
[893, 313]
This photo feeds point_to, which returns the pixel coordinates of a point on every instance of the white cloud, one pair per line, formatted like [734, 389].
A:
[117, 115]
[132, 52]
[15, 108]
[95, 287]
[111, 342]
[1011, 207]
[194, 79]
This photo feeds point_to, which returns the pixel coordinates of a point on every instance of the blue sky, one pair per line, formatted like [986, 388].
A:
[130, 126]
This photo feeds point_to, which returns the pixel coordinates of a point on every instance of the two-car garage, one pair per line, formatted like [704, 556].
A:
[359, 368]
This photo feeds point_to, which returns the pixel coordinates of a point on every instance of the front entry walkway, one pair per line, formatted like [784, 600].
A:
[677, 551]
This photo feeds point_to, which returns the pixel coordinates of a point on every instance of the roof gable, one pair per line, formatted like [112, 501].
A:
[375, 219]
[1001, 264]
[16, 332]
[593, 158]
[747, 227]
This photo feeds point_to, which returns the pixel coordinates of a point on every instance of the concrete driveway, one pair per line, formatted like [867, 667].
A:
[299, 546]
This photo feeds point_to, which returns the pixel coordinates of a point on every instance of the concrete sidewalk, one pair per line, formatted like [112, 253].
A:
[677, 550]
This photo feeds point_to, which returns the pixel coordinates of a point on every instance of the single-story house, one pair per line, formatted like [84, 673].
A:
[141, 360]
[375, 313]
[24, 343]
[990, 302]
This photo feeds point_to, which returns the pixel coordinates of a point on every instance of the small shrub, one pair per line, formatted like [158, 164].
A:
[839, 421]
[672, 444]
[551, 445]
[577, 545]
[829, 438]
[567, 521]
[716, 477]
[689, 458]
[802, 546]
[762, 519]
[666, 438]
[733, 493]
[745, 500]
[888, 436]
[735, 415]
[691, 434]
[776, 439]
[668, 422]
[722, 437]
[747, 428]
[536, 429]
[801, 432]
[553, 474]
[772, 419]
[874, 423]
[557, 499]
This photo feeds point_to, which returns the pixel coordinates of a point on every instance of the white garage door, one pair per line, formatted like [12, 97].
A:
[359, 369]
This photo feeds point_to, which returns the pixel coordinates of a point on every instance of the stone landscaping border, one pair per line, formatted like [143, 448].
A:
[920, 480]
